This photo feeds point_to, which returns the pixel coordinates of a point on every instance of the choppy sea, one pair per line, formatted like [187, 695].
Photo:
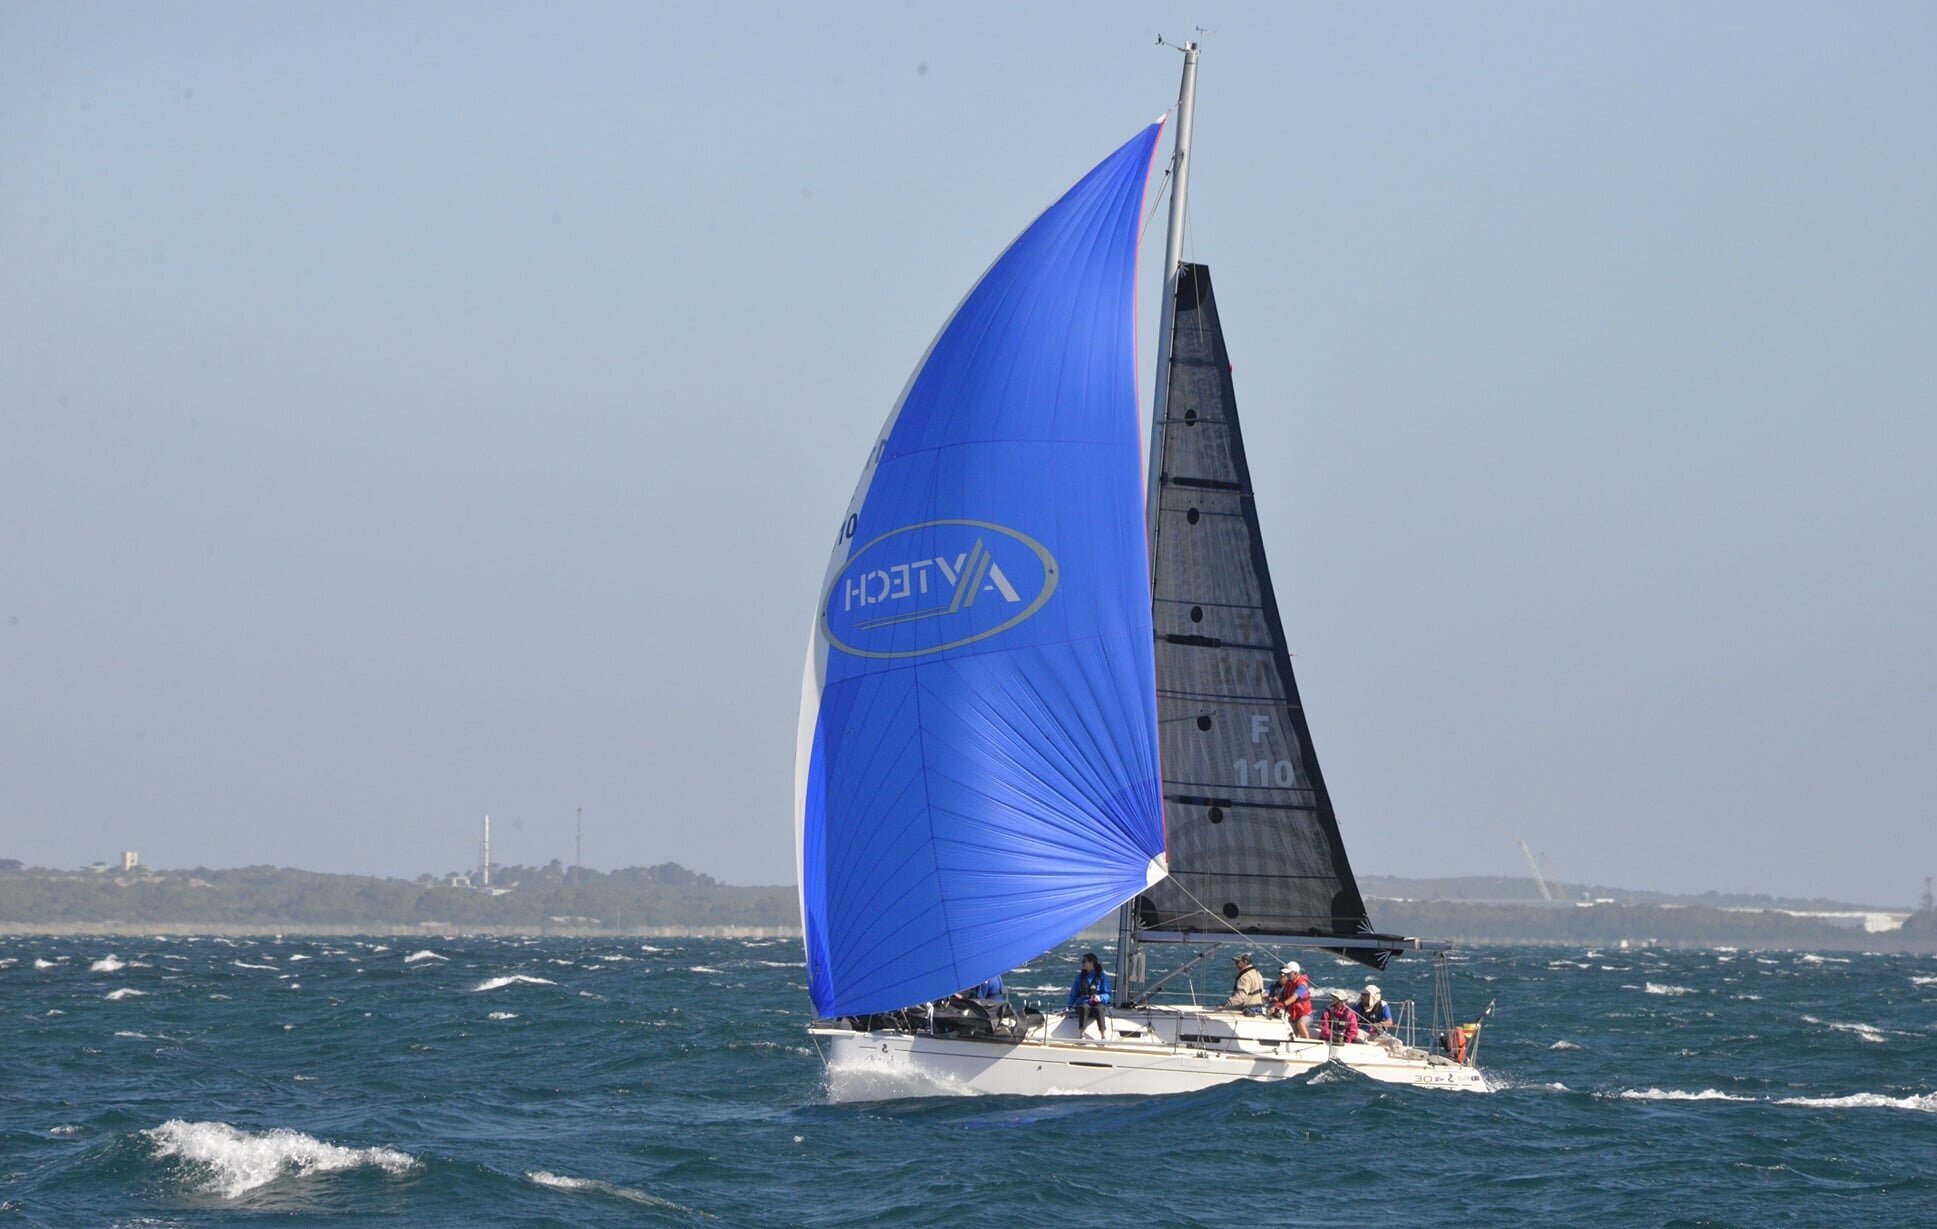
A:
[669, 1082]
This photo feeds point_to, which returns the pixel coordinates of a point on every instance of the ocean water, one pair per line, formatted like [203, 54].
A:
[669, 1082]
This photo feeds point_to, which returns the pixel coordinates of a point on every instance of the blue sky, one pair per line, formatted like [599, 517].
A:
[418, 411]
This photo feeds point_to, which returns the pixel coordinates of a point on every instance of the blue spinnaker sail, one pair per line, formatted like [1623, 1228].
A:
[978, 772]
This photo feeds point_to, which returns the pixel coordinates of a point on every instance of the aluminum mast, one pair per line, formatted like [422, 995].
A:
[1173, 257]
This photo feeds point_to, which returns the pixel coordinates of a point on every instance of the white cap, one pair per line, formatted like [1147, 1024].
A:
[1293, 968]
[1372, 992]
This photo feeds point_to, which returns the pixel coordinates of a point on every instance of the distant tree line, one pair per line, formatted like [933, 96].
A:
[521, 896]
[1606, 925]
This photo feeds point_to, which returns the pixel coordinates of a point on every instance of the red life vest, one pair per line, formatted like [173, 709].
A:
[1298, 1007]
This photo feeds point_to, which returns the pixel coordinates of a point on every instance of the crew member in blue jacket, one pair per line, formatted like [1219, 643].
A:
[1089, 994]
[1374, 1012]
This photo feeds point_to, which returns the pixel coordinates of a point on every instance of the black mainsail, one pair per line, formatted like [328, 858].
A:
[1254, 845]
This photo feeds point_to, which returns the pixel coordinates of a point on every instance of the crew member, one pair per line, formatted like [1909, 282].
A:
[1089, 994]
[1292, 999]
[1340, 1024]
[1374, 1012]
[1247, 992]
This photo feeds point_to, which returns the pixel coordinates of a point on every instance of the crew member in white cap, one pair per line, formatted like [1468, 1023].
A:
[1374, 1012]
[1292, 999]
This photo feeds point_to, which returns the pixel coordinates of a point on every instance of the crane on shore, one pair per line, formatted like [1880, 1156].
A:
[1540, 880]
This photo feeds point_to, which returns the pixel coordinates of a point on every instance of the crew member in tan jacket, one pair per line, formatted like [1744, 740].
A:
[1248, 991]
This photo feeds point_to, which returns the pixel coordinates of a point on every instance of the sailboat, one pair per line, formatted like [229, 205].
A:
[1046, 682]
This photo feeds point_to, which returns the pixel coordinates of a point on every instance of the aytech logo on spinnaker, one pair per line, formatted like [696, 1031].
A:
[934, 586]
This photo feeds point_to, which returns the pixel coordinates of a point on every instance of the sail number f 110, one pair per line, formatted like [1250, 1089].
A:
[1280, 773]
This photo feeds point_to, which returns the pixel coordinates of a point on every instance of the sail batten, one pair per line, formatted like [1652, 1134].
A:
[1254, 843]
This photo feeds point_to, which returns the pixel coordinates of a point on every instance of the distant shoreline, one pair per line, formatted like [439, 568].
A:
[424, 930]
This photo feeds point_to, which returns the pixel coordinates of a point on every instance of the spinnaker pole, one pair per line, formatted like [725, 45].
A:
[1126, 965]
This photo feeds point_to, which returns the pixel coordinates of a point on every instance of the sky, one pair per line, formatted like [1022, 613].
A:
[412, 412]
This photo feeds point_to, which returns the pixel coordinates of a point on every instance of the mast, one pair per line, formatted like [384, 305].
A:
[1173, 259]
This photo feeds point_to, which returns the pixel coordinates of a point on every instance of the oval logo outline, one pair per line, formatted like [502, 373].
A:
[1052, 576]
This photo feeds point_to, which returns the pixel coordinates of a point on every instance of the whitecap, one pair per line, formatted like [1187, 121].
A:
[647, 947]
[135, 1036]
[1675, 1094]
[514, 979]
[296, 957]
[1813, 958]
[233, 1162]
[781, 964]
[267, 968]
[426, 954]
[64, 1129]
[702, 968]
[123, 993]
[1923, 981]
[109, 963]
[504, 1015]
[1655, 987]
[1927, 1103]
[592, 1186]
[1563, 1045]
[42, 964]
[1868, 1032]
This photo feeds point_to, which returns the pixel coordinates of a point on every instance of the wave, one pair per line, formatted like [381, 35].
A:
[504, 1015]
[123, 993]
[1923, 981]
[109, 963]
[514, 979]
[1868, 1032]
[1813, 958]
[426, 954]
[1655, 987]
[64, 1129]
[592, 1186]
[1675, 1094]
[44, 964]
[1563, 1045]
[702, 968]
[232, 1162]
[267, 968]
[1927, 1103]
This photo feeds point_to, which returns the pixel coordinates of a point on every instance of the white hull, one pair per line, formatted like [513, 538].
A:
[1150, 1051]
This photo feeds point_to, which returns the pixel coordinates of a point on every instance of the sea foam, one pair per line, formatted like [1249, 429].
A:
[1676, 1094]
[1655, 987]
[515, 979]
[592, 1186]
[109, 963]
[1867, 1032]
[1927, 1103]
[123, 993]
[231, 1162]
[426, 954]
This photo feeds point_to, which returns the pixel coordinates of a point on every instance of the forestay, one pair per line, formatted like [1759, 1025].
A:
[977, 776]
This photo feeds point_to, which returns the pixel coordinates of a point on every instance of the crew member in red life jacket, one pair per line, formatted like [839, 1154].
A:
[1292, 998]
[1339, 1024]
